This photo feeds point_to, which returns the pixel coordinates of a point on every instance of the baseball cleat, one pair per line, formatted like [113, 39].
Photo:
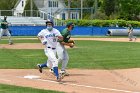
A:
[135, 38]
[64, 73]
[59, 78]
[39, 68]
[10, 43]
[130, 40]
[51, 71]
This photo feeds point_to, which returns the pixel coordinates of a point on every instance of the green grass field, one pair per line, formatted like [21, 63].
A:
[86, 55]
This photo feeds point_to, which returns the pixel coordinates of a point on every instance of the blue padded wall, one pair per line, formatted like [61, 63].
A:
[78, 30]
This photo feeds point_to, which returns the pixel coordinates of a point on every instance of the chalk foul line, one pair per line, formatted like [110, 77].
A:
[86, 86]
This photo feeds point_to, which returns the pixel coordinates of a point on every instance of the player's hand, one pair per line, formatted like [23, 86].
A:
[71, 45]
[71, 41]
[44, 42]
[5, 23]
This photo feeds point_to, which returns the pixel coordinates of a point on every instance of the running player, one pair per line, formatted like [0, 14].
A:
[49, 38]
[130, 33]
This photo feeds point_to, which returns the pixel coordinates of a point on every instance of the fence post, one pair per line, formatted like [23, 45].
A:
[37, 13]
[92, 31]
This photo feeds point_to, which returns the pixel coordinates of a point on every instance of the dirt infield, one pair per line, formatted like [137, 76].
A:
[79, 81]
[98, 39]
[40, 46]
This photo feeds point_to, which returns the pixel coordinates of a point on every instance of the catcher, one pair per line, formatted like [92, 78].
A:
[62, 53]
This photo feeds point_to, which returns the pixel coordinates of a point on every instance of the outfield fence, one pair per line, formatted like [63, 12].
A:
[78, 30]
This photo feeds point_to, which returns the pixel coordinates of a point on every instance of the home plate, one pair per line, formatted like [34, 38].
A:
[32, 77]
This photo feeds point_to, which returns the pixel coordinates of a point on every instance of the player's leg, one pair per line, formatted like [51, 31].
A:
[62, 58]
[60, 51]
[54, 60]
[49, 63]
[134, 37]
[45, 64]
[65, 60]
[130, 37]
[64, 63]
[41, 66]
[9, 36]
[1, 33]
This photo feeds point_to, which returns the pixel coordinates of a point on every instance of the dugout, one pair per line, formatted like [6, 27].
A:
[122, 32]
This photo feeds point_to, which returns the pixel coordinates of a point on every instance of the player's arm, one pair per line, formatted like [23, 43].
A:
[71, 41]
[129, 30]
[60, 38]
[4, 23]
[68, 44]
[41, 38]
[67, 41]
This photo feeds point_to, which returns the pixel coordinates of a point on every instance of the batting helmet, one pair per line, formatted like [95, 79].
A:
[49, 21]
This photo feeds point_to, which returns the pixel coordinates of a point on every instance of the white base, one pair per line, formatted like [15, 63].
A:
[32, 77]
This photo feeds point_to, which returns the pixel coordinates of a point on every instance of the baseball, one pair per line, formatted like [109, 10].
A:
[71, 45]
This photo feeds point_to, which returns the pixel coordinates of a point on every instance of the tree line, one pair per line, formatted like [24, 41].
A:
[110, 9]
[102, 9]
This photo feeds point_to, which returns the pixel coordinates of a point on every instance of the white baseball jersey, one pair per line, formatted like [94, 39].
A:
[50, 37]
[50, 47]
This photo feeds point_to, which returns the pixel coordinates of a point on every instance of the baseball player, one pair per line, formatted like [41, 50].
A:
[61, 50]
[4, 30]
[49, 38]
[130, 33]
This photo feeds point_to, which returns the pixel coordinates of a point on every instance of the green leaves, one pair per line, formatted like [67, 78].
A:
[7, 5]
[106, 23]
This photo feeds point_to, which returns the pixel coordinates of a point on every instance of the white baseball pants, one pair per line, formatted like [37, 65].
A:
[5, 32]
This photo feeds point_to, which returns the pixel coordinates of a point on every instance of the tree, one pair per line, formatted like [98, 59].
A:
[28, 7]
[109, 6]
[7, 6]
[129, 9]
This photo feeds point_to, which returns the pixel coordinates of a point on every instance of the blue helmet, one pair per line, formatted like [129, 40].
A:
[49, 21]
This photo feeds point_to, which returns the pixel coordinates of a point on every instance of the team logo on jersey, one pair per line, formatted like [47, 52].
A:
[50, 35]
